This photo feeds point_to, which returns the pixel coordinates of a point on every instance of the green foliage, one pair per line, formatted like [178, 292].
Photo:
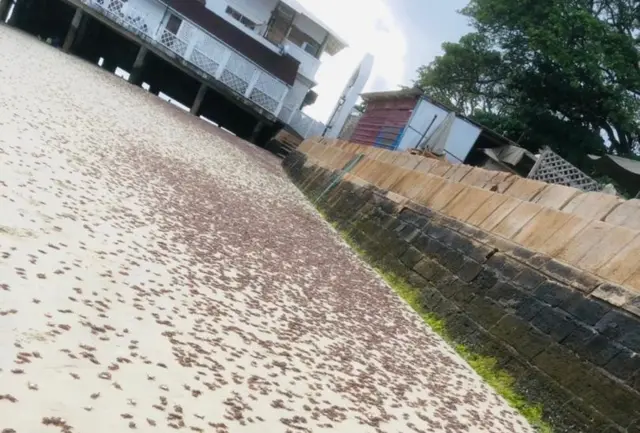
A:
[486, 367]
[361, 107]
[562, 73]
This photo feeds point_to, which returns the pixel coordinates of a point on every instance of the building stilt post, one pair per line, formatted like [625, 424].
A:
[256, 131]
[73, 31]
[5, 5]
[197, 103]
[135, 77]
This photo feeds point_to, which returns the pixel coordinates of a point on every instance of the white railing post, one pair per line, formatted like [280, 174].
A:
[156, 35]
[281, 103]
[252, 83]
[306, 134]
[223, 64]
[192, 44]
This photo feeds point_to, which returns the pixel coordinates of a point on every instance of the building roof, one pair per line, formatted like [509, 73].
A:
[283, 67]
[335, 44]
[630, 165]
[625, 171]
[393, 94]
[494, 138]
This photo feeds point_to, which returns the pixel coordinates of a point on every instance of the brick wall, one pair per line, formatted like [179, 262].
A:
[570, 338]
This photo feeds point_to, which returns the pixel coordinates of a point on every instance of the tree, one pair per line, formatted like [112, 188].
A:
[361, 107]
[563, 73]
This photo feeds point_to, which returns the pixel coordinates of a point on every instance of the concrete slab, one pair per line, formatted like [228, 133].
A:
[426, 165]
[536, 233]
[433, 166]
[382, 171]
[414, 184]
[556, 196]
[352, 147]
[502, 182]
[306, 145]
[579, 246]
[565, 234]
[457, 172]
[511, 225]
[392, 176]
[593, 205]
[633, 283]
[361, 168]
[440, 168]
[616, 239]
[341, 161]
[371, 170]
[445, 195]
[525, 189]
[387, 156]
[627, 214]
[348, 177]
[467, 202]
[479, 177]
[316, 151]
[407, 161]
[428, 189]
[327, 157]
[500, 212]
[486, 209]
[623, 265]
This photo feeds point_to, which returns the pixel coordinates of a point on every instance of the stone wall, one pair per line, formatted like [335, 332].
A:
[516, 271]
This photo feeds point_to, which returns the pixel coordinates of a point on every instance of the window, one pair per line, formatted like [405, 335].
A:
[173, 25]
[241, 18]
[304, 41]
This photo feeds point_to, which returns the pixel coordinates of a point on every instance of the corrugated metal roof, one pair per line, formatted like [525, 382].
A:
[392, 94]
[384, 122]
[630, 165]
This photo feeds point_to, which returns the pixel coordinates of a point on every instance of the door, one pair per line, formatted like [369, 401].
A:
[280, 22]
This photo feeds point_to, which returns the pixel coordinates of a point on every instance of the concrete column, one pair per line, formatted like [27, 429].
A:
[252, 84]
[80, 34]
[73, 30]
[18, 8]
[5, 5]
[223, 64]
[135, 77]
[109, 65]
[202, 91]
[256, 131]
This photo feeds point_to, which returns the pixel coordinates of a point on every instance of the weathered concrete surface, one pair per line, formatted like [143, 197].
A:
[155, 274]
[570, 340]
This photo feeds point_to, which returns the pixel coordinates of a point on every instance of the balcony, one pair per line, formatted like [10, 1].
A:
[206, 52]
[309, 65]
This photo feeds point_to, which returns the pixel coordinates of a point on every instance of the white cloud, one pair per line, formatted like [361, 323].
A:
[368, 26]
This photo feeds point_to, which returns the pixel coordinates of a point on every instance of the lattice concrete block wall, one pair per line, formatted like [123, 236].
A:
[552, 168]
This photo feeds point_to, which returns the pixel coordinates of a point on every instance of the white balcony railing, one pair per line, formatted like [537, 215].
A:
[301, 123]
[199, 48]
[214, 57]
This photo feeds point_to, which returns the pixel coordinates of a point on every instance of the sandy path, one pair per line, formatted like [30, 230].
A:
[156, 274]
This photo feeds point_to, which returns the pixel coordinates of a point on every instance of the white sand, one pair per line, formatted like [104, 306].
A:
[141, 242]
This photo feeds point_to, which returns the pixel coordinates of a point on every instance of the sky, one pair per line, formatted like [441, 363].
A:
[401, 34]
